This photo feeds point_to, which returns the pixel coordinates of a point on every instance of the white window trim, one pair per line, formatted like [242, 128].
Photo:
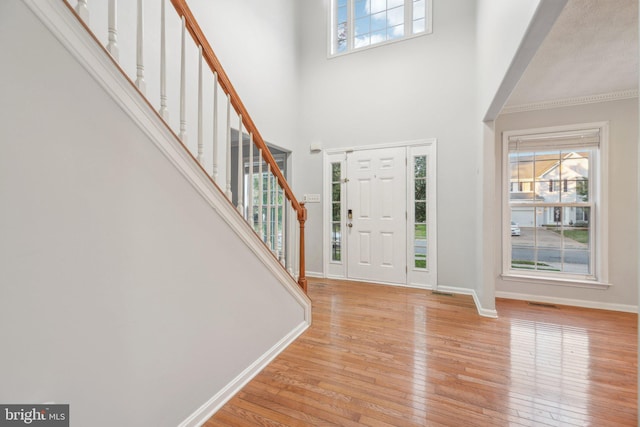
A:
[600, 216]
[331, 21]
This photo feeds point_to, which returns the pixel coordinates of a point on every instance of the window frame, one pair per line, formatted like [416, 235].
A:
[332, 50]
[599, 212]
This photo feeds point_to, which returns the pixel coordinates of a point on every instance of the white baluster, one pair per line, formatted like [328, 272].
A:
[283, 251]
[240, 167]
[291, 248]
[250, 186]
[164, 112]
[183, 78]
[296, 245]
[269, 241]
[277, 219]
[260, 200]
[82, 8]
[214, 172]
[228, 192]
[112, 45]
[200, 140]
[140, 83]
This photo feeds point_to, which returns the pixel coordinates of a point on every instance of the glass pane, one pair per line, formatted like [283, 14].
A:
[335, 192]
[575, 165]
[362, 26]
[341, 37]
[377, 5]
[379, 21]
[418, 26]
[395, 16]
[361, 41]
[395, 32]
[576, 261]
[342, 3]
[421, 189]
[421, 212]
[420, 170]
[547, 191]
[420, 256]
[420, 231]
[335, 172]
[418, 10]
[394, 3]
[361, 8]
[336, 243]
[378, 36]
[523, 255]
[342, 15]
[576, 231]
[547, 165]
[335, 212]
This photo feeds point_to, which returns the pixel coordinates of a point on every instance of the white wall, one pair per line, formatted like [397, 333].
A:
[414, 89]
[502, 24]
[623, 207]
[122, 292]
[255, 41]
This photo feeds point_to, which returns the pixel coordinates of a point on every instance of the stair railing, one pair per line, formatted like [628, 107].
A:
[259, 190]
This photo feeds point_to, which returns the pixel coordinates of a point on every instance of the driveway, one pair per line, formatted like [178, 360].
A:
[546, 239]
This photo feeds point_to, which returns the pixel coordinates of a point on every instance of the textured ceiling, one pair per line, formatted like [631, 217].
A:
[592, 49]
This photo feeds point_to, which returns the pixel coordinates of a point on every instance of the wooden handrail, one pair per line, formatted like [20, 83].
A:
[212, 61]
[223, 80]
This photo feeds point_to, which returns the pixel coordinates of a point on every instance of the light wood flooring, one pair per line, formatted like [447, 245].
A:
[389, 356]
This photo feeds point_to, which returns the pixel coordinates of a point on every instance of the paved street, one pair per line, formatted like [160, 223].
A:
[576, 254]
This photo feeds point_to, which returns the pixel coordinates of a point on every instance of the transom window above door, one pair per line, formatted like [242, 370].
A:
[358, 24]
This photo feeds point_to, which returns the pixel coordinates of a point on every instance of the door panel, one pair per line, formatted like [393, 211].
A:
[376, 195]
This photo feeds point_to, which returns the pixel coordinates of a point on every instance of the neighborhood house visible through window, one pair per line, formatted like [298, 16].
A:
[360, 23]
[551, 201]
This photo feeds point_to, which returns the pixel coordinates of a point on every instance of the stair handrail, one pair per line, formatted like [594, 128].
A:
[215, 66]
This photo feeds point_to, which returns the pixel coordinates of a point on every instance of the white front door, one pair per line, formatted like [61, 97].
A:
[376, 215]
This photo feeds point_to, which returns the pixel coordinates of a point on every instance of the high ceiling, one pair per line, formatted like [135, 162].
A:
[591, 50]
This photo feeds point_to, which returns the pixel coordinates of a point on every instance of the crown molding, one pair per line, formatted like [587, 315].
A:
[570, 102]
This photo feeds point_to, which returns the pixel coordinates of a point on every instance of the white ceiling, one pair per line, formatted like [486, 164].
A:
[591, 50]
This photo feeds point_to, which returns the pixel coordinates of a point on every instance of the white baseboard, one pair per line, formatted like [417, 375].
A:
[484, 312]
[206, 411]
[315, 274]
[569, 301]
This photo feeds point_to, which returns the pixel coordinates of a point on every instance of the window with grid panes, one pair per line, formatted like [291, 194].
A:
[552, 197]
[420, 206]
[336, 212]
[357, 24]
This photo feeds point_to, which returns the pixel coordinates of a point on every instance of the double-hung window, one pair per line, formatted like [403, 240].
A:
[357, 24]
[554, 210]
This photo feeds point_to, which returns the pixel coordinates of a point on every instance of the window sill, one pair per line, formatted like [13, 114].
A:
[576, 283]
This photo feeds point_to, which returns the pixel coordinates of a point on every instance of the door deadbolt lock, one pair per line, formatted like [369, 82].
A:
[350, 214]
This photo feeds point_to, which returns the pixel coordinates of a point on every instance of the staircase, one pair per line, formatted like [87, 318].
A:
[149, 237]
[247, 173]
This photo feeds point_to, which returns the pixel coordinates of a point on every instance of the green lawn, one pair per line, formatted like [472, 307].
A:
[581, 236]
[421, 231]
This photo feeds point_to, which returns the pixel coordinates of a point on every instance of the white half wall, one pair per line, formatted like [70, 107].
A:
[623, 206]
[123, 292]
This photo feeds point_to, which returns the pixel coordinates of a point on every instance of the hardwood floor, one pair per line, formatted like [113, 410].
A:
[388, 356]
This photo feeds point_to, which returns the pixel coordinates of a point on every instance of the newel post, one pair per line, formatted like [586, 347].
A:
[302, 218]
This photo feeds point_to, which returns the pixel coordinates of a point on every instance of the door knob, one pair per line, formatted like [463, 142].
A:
[349, 225]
